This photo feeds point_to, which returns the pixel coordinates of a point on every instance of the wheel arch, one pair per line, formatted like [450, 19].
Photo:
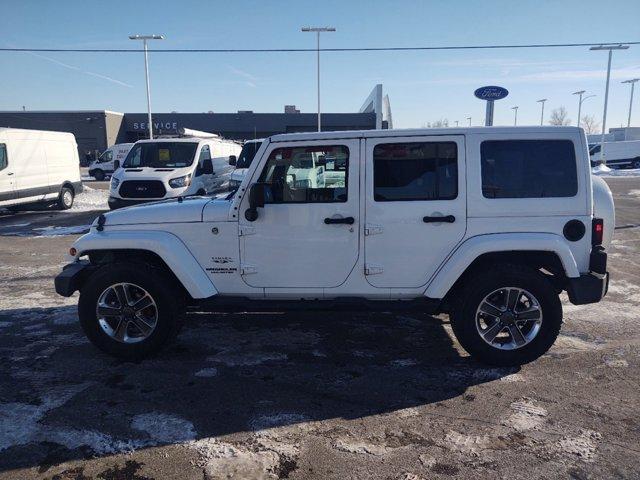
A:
[161, 249]
[540, 251]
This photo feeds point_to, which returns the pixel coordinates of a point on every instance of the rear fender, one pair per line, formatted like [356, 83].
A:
[472, 248]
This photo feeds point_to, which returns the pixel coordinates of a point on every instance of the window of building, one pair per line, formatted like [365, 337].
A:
[3, 156]
[528, 169]
[317, 174]
[415, 171]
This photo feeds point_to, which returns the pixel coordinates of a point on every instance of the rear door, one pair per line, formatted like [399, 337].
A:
[415, 207]
[6, 177]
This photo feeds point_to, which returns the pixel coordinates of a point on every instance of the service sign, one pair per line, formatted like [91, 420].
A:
[491, 93]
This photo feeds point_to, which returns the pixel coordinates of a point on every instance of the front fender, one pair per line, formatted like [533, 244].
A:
[472, 248]
[164, 244]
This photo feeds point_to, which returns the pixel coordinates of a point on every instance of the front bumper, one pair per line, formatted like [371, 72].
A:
[72, 277]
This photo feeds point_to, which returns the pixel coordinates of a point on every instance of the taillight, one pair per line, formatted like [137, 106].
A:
[597, 231]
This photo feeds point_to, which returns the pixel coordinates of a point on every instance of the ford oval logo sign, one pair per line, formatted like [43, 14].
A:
[491, 93]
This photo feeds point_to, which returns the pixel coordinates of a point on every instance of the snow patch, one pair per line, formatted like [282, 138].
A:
[58, 231]
[207, 372]
[583, 446]
[90, 199]
[164, 428]
[360, 448]
[526, 416]
[242, 359]
[403, 362]
[265, 422]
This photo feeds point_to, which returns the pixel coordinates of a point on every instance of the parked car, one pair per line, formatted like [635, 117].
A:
[38, 167]
[104, 165]
[488, 224]
[243, 161]
[172, 167]
[624, 154]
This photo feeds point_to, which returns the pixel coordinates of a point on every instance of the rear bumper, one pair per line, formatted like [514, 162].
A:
[588, 288]
[72, 277]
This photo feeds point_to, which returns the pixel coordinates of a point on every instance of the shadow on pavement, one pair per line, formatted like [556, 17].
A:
[61, 399]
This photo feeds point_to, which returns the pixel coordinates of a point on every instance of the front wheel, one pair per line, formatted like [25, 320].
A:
[507, 316]
[98, 175]
[129, 310]
[636, 163]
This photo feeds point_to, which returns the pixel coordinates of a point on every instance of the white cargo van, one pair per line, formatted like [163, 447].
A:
[172, 167]
[617, 154]
[104, 165]
[38, 167]
[243, 162]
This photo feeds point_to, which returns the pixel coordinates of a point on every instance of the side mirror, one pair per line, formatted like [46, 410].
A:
[257, 195]
[233, 160]
[207, 167]
[116, 165]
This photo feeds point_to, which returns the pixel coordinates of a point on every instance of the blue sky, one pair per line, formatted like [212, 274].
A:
[422, 86]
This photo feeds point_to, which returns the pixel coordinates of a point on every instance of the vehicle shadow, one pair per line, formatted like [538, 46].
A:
[61, 399]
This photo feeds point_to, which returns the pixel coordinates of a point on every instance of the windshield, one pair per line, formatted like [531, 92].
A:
[246, 155]
[161, 155]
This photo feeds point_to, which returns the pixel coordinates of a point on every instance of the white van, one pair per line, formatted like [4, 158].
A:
[103, 166]
[172, 167]
[38, 167]
[617, 154]
[243, 161]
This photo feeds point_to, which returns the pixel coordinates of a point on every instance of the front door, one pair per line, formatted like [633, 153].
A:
[7, 193]
[415, 207]
[306, 235]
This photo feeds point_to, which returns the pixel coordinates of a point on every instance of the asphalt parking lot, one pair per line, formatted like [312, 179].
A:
[317, 395]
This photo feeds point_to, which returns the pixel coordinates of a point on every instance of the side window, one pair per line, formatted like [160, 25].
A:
[528, 169]
[106, 156]
[3, 156]
[205, 154]
[133, 157]
[415, 171]
[316, 174]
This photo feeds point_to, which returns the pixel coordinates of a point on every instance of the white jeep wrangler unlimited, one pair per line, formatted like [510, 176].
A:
[489, 225]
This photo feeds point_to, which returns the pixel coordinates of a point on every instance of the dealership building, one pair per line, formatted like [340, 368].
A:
[97, 130]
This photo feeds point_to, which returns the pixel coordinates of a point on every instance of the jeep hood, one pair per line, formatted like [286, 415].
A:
[166, 211]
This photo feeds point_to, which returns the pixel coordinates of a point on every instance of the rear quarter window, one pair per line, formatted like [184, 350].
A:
[528, 169]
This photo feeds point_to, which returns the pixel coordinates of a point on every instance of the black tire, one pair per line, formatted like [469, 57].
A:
[160, 286]
[66, 198]
[483, 283]
[98, 175]
[636, 163]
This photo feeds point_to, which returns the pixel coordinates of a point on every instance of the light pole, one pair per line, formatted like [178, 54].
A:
[541, 101]
[317, 31]
[580, 93]
[469, 118]
[515, 118]
[456, 122]
[144, 39]
[633, 84]
[610, 48]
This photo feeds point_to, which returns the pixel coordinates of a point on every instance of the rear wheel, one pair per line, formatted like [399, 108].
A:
[508, 316]
[636, 163]
[65, 199]
[130, 311]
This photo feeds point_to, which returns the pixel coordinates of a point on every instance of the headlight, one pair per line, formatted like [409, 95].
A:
[180, 182]
[114, 182]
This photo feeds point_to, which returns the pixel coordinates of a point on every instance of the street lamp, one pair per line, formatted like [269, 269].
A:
[633, 83]
[469, 118]
[610, 48]
[515, 118]
[541, 101]
[144, 39]
[580, 93]
[317, 31]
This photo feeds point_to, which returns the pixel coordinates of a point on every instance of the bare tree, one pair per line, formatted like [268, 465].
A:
[443, 122]
[589, 124]
[559, 116]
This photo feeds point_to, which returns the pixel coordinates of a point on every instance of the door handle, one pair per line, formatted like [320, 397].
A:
[9, 173]
[445, 219]
[346, 220]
